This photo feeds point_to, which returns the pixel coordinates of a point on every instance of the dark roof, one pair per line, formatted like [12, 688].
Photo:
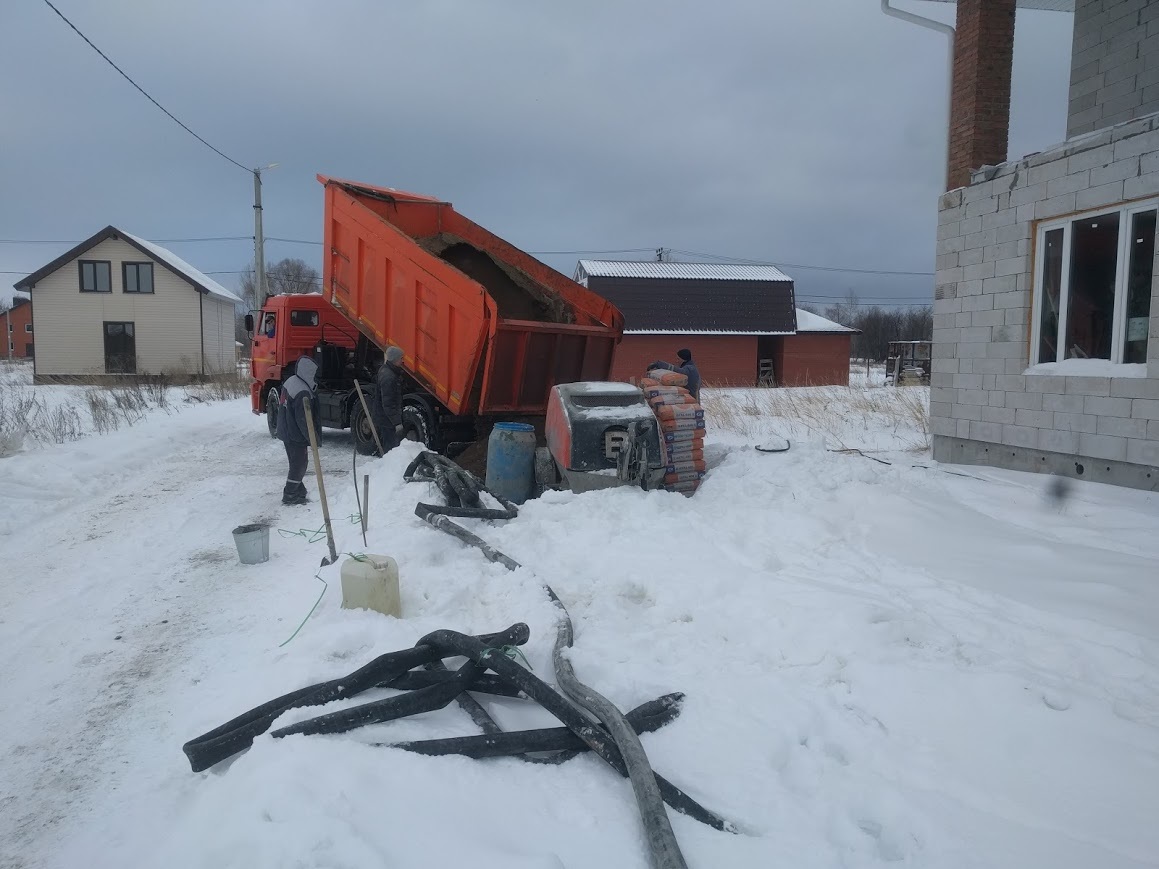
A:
[700, 304]
[200, 282]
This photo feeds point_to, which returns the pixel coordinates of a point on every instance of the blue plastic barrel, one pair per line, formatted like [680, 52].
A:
[511, 461]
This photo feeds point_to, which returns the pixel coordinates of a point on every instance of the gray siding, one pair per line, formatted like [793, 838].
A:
[1114, 63]
[69, 323]
[983, 301]
[218, 328]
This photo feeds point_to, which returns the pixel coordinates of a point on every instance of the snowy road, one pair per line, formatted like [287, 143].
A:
[882, 664]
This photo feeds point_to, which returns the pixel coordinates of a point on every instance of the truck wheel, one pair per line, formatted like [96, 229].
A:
[417, 425]
[272, 411]
[546, 475]
[361, 432]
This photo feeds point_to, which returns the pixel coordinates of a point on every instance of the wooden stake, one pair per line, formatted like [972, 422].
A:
[369, 418]
[321, 484]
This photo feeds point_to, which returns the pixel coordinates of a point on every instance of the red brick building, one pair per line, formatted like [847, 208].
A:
[16, 325]
[740, 322]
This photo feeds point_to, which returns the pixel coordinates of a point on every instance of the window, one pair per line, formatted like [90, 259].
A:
[1093, 281]
[95, 276]
[28, 328]
[137, 277]
[303, 318]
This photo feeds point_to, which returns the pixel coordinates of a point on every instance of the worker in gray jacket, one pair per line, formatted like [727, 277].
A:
[386, 411]
[686, 367]
[297, 390]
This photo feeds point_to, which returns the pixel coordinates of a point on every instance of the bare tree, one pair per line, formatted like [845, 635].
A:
[285, 277]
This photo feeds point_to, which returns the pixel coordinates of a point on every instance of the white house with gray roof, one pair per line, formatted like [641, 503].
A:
[118, 305]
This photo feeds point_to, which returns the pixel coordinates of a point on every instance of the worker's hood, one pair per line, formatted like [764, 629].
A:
[307, 369]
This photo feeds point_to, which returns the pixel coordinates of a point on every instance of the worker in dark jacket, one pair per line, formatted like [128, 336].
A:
[686, 367]
[387, 408]
[297, 391]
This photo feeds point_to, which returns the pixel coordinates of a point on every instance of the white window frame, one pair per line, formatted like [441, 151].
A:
[28, 328]
[1126, 212]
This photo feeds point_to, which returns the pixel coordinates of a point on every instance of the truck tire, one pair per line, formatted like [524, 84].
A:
[361, 432]
[417, 425]
[272, 400]
[546, 473]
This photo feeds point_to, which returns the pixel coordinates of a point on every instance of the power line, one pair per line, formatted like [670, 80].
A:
[804, 266]
[142, 90]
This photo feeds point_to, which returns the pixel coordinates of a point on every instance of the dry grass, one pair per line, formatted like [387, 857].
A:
[840, 415]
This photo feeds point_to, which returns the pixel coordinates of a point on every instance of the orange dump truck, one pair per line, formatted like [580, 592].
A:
[486, 330]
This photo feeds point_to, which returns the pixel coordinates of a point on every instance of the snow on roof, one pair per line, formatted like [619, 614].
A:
[807, 321]
[182, 267]
[681, 271]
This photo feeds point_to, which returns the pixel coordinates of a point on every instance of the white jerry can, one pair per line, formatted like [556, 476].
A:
[371, 582]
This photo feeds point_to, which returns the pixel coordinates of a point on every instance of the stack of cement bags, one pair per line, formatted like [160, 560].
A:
[681, 429]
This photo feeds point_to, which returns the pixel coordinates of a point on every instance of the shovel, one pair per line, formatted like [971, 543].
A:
[333, 557]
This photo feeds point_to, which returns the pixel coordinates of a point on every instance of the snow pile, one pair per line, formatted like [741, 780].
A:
[882, 663]
[1089, 368]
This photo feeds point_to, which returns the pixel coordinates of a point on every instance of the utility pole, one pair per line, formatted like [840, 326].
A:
[259, 238]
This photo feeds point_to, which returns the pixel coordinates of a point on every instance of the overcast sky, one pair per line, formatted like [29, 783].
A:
[809, 133]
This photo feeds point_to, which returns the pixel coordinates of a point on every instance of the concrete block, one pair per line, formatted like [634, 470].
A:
[947, 306]
[1143, 452]
[1004, 216]
[1124, 72]
[1144, 185]
[949, 202]
[1070, 183]
[966, 366]
[1062, 403]
[982, 206]
[978, 302]
[1064, 204]
[941, 393]
[1085, 120]
[940, 380]
[1131, 387]
[974, 350]
[1009, 334]
[989, 367]
[981, 238]
[1019, 436]
[1102, 446]
[1144, 408]
[978, 271]
[986, 431]
[949, 276]
[966, 411]
[1058, 441]
[1006, 250]
[980, 397]
[1123, 428]
[971, 257]
[964, 320]
[1047, 383]
[1135, 145]
[1014, 232]
[1088, 386]
[997, 399]
[1085, 70]
[1034, 418]
[1006, 350]
[968, 381]
[1127, 104]
[988, 318]
[1046, 172]
[1106, 406]
[946, 261]
[1017, 299]
[1079, 422]
[1012, 382]
[1118, 171]
[1088, 88]
[1091, 158]
[950, 230]
[977, 192]
[1014, 366]
[970, 225]
[942, 425]
[1023, 195]
[1025, 213]
[947, 336]
[939, 408]
[1024, 400]
[1017, 317]
[1121, 87]
[963, 428]
[1015, 265]
[1004, 415]
[975, 335]
[951, 245]
[969, 288]
[1096, 197]
[944, 321]
[944, 364]
[998, 285]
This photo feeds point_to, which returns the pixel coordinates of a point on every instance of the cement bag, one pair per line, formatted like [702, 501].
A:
[686, 488]
[666, 412]
[656, 390]
[667, 378]
[672, 428]
[683, 453]
[697, 467]
[671, 480]
[674, 400]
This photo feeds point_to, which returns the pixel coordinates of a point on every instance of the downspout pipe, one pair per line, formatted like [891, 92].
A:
[949, 31]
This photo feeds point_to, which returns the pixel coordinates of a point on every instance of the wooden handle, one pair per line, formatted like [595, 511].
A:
[321, 484]
[369, 418]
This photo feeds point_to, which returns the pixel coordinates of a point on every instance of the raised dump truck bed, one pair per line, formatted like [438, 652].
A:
[485, 328]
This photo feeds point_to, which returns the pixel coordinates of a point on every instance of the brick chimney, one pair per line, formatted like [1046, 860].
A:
[980, 96]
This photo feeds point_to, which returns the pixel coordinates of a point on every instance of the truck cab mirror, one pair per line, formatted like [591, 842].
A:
[249, 323]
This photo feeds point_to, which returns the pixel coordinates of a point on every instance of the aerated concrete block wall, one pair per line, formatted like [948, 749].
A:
[984, 406]
[1114, 63]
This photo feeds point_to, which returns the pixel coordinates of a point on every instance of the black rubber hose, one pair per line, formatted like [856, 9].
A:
[594, 736]
[469, 704]
[411, 703]
[444, 523]
[461, 489]
[239, 733]
[646, 718]
[485, 684]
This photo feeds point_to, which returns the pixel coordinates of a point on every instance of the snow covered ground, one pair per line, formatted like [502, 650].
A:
[883, 664]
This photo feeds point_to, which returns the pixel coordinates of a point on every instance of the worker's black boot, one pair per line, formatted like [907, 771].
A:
[294, 494]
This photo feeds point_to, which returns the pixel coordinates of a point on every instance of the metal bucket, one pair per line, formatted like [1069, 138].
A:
[253, 543]
[511, 461]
